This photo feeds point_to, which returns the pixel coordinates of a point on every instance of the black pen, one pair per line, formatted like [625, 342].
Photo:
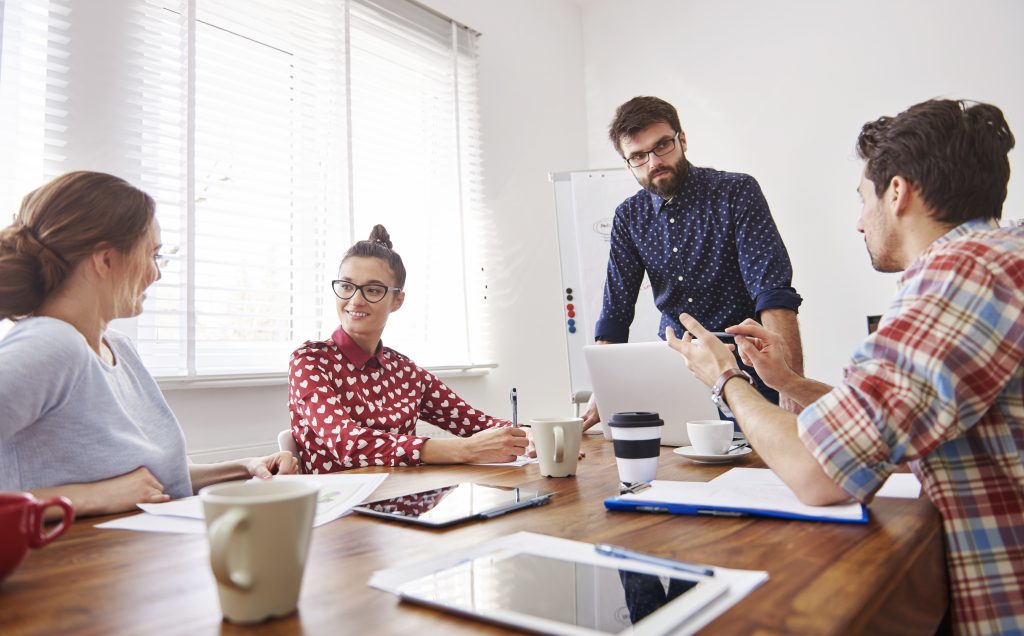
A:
[514, 398]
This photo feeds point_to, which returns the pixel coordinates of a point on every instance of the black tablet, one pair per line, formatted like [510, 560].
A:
[453, 504]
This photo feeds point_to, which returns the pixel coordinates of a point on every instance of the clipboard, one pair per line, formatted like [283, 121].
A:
[747, 492]
[615, 503]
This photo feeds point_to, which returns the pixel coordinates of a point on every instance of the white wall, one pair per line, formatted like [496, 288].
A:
[532, 105]
[775, 89]
[780, 89]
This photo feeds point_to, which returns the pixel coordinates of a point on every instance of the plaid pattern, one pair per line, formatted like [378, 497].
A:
[940, 385]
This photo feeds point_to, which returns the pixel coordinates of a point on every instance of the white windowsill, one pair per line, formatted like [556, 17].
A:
[278, 379]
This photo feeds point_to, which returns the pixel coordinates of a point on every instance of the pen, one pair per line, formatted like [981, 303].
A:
[514, 398]
[721, 335]
[625, 553]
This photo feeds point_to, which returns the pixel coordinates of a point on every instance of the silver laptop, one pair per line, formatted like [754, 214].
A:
[648, 376]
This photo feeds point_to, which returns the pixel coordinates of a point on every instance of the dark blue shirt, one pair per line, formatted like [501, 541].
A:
[713, 251]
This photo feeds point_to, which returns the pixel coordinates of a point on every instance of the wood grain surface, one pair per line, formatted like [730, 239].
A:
[825, 578]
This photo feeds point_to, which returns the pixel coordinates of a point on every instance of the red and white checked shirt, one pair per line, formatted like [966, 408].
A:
[351, 409]
[940, 385]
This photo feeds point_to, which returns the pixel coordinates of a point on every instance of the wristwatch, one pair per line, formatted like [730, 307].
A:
[716, 391]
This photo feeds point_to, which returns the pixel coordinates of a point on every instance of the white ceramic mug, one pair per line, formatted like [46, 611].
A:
[710, 437]
[557, 442]
[259, 538]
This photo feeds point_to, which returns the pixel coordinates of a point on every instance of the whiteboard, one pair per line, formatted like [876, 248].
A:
[585, 202]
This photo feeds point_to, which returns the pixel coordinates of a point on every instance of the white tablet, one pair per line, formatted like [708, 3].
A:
[452, 504]
[556, 596]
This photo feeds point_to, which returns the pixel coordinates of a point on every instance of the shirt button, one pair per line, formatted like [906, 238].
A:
[689, 300]
[675, 249]
[680, 278]
[672, 220]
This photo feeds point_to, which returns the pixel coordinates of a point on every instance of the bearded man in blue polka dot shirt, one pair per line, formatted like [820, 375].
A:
[705, 238]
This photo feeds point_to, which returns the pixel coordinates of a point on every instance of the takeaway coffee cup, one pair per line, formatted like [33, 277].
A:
[710, 437]
[21, 526]
[259, 538]
[636, 437]
[557, 442]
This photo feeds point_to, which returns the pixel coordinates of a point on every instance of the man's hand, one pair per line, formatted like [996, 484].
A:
[706, 357]
[766, 351]
[591, 416]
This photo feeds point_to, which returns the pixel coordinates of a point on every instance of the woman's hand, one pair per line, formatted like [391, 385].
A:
[123, 492]
[496, 445]
[117, 494]
[280, 463]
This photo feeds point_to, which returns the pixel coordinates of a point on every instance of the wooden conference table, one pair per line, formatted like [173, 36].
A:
[825, 578]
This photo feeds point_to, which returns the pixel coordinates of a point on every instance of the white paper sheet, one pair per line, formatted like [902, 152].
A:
[740, 582]
[522, 460]
[901, 485]
[745, 488]
[339, 493]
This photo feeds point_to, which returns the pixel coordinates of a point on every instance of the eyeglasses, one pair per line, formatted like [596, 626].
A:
[162, 260]
[372, 292]
[662, 148]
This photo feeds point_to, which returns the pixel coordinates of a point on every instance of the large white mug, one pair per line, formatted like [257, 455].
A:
[557, 442]
[259, 535]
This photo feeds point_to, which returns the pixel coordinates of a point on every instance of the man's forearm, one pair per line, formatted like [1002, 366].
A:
[804, 391]
[784, 323]
[773, 434]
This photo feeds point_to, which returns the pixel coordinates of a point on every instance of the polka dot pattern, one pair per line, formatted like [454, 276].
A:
[347, 416]
[713, 251]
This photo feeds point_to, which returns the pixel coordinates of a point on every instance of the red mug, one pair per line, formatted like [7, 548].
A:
[21, 526]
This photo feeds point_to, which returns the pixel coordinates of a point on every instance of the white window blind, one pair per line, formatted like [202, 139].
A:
[271, 135]
[414, 164]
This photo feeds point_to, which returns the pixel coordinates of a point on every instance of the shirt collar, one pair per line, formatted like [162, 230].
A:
[965, 228]
[354, 352]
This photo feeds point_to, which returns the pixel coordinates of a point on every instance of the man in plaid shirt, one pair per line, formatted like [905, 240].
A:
[940, 385]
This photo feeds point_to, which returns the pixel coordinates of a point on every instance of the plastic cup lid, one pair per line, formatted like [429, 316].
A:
[635, 419]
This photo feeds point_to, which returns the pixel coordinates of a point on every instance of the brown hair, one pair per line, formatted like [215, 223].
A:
[379, 246]
[639, 113]
[953, 152]
[59, 224]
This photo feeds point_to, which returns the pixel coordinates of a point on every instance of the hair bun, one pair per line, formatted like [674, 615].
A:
[29, 270]
[380, 236]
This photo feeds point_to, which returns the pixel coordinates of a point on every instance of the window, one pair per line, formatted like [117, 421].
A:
[272, 135]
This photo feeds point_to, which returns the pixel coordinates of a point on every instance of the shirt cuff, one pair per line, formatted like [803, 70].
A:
[784, 298]
[611, 330]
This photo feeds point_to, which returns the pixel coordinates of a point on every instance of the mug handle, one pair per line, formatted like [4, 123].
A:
[41, 538]
[559, 444]
[222, 530]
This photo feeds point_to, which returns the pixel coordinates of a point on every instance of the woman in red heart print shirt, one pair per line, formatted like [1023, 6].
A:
[354, 402]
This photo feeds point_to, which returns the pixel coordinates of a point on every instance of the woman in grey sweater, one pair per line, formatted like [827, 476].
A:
[79, 414]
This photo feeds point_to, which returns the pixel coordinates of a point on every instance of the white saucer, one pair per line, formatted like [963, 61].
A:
[689, 453]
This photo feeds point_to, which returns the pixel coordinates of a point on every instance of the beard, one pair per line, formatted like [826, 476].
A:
[671, 176]
[883, 257]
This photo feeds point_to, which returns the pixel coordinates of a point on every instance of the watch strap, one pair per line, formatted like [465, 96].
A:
[716, 391]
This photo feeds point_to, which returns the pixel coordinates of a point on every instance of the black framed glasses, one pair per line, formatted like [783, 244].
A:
[372, 292]
[661, 149]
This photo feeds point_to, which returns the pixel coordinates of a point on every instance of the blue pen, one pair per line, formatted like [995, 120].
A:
[625, 553]
[514, 398]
